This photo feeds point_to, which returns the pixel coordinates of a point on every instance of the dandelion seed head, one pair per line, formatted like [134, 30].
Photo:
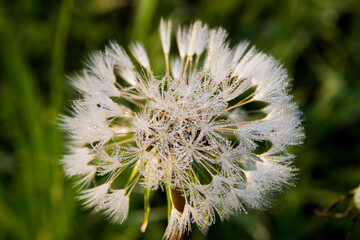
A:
[214, 131]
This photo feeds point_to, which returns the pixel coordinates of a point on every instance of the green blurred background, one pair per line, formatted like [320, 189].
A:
[41, 42]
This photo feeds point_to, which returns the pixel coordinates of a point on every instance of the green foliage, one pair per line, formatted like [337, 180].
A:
[43, 41]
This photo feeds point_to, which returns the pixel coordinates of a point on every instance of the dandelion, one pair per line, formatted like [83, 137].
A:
[213, 131]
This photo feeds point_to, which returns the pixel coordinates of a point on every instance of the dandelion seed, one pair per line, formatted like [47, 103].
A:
[215, 131]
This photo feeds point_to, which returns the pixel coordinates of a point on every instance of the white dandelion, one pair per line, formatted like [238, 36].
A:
[214, 130]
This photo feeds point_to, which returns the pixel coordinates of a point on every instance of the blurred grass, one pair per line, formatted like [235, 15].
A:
[41, 42]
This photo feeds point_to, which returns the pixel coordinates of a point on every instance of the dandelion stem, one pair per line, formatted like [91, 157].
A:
[177, 199]
[178, 202]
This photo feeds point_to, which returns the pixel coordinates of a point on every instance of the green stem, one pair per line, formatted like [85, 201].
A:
[168, 198]
[146, 209]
